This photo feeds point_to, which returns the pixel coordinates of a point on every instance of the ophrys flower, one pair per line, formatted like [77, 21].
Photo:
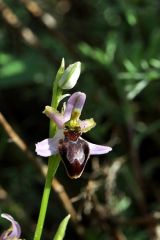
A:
[67, 142]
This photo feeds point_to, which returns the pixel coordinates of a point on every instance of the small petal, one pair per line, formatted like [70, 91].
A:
[46, 147]
[12, 233]
[54, 115]
[74, 104]
[87, 125]
[70, 76]
[98, 149]
[49, 146]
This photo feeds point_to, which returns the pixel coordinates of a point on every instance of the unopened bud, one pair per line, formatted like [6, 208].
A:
[70, 76]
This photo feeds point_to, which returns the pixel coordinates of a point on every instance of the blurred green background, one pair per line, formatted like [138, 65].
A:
[118, 43]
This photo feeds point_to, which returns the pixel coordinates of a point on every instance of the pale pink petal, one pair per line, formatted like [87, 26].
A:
[16, 229]
[55, 116]
[87, 125]
[58, 119]
[98, 149]
[49, 146]
[76, 101]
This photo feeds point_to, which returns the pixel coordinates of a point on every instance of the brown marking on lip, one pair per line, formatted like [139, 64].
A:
[74, 155]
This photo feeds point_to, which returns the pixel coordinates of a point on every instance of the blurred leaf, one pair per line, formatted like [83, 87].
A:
[22, 70]
[155, 63]
[62, 229]
[122, 204]
[94, 53]
[130, 67]
[111, 46]
[137, 89]
[129, 11]
[12, 68]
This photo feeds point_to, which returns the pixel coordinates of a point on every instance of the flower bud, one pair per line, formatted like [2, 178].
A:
[70, 76]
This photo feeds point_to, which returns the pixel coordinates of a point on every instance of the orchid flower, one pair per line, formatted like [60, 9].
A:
[73, 149]
[14, 232]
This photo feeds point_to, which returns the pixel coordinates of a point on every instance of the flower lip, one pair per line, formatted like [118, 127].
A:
[74, 155]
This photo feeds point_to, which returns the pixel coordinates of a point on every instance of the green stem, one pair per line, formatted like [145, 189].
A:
[53, 164]
[52, 168]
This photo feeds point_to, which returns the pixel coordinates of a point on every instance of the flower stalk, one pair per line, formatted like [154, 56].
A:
[52, 168]
[53, 161]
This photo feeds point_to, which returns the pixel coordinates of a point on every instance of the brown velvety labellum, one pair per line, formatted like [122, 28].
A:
[74, 156]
